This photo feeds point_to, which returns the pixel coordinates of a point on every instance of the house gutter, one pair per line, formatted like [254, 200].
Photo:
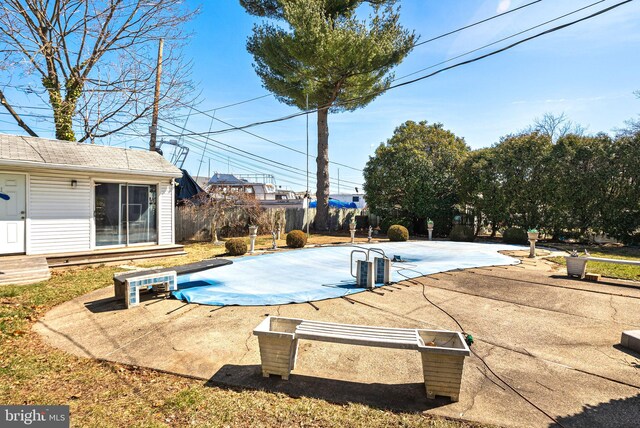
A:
[87, 169]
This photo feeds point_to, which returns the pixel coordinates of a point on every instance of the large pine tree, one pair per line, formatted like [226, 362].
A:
[325, 52]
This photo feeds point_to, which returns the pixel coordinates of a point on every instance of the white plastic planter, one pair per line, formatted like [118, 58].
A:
[576, 266]
[278, 345]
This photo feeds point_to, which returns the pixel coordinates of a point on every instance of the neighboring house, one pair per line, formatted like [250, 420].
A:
[63, 197]
[261, 187]
[356, 198]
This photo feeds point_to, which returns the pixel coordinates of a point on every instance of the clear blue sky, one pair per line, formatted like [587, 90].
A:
[588, 71]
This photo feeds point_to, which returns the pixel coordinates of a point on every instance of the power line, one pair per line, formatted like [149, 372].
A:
[501, 40]
[258, 158]
[281, 171]
[233, 127]
[477, 23]
[492, 53]
[263, 138]
[457, 30]
[248, 167]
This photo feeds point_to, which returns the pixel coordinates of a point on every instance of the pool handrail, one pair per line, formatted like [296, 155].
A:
[377, 250]
[351, 261]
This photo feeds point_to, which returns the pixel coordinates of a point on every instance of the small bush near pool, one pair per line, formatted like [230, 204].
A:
[461, 233]
[236, 246]
[296, 239]
[515, 235]
[397, 233]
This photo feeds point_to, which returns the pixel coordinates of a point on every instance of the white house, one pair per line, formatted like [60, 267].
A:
[63, 197]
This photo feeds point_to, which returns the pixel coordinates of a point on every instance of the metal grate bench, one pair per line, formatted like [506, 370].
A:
[127, 285]
[443, 352]
[162, 282]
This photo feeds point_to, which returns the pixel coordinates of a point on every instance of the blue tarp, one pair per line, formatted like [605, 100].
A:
[322, 273]
[334, 203]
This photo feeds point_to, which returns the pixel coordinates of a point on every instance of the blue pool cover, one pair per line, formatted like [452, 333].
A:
[323, 273]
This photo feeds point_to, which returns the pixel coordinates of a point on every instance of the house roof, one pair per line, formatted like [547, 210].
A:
[54, 154]
[227, 179]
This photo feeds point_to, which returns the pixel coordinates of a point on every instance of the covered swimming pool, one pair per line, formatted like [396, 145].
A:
[313, 274]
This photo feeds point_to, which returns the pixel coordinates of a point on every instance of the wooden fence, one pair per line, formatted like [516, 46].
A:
[193, 223]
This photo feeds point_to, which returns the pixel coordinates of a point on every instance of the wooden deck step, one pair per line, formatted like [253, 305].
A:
[113, 255]
[23, 270]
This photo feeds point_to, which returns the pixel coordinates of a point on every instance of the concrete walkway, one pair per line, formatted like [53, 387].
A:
[553, 339]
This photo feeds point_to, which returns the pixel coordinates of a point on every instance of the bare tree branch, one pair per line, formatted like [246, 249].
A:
[95, 59]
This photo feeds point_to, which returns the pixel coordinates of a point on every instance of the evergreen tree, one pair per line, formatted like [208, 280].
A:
[325, 53]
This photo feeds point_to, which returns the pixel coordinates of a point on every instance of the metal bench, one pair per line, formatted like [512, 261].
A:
[577, 266]
[130, 286]
[127, 285]
[443, 352]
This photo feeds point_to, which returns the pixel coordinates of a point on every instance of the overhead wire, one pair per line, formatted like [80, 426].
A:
[501, 40]
[457, 30]
[459, 64]
[233, 127]
[261, 159]
[213, 117]
[476, 23]
[241, 164]
[248, 166]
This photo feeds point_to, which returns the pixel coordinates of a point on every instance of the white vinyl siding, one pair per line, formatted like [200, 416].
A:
[59, 215]
[165, 213]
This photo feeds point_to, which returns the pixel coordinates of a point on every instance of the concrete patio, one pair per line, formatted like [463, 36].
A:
[551, 338]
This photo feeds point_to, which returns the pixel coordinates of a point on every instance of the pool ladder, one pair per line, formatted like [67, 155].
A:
[368, 273]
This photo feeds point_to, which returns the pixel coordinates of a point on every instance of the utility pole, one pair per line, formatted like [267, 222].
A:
[308, 195]
[156, 100]
[338, 181]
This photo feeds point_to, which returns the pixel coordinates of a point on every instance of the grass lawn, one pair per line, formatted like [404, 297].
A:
[112, 395]
[611, 270]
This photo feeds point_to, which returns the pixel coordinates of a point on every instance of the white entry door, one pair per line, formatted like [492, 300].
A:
[12, 213]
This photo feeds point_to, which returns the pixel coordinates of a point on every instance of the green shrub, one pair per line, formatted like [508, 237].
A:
[515, 235]
[296, 239]
[461, 233]
[397, 232]
[388, 222]
[236, 246]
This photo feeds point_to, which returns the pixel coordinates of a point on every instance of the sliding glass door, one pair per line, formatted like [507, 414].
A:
[125, 214]
[141, 213]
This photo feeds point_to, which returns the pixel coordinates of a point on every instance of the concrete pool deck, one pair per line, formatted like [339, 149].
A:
[553, 339]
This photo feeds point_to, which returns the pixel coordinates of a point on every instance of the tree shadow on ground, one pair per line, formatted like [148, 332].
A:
[623, 412]
[408, 397]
